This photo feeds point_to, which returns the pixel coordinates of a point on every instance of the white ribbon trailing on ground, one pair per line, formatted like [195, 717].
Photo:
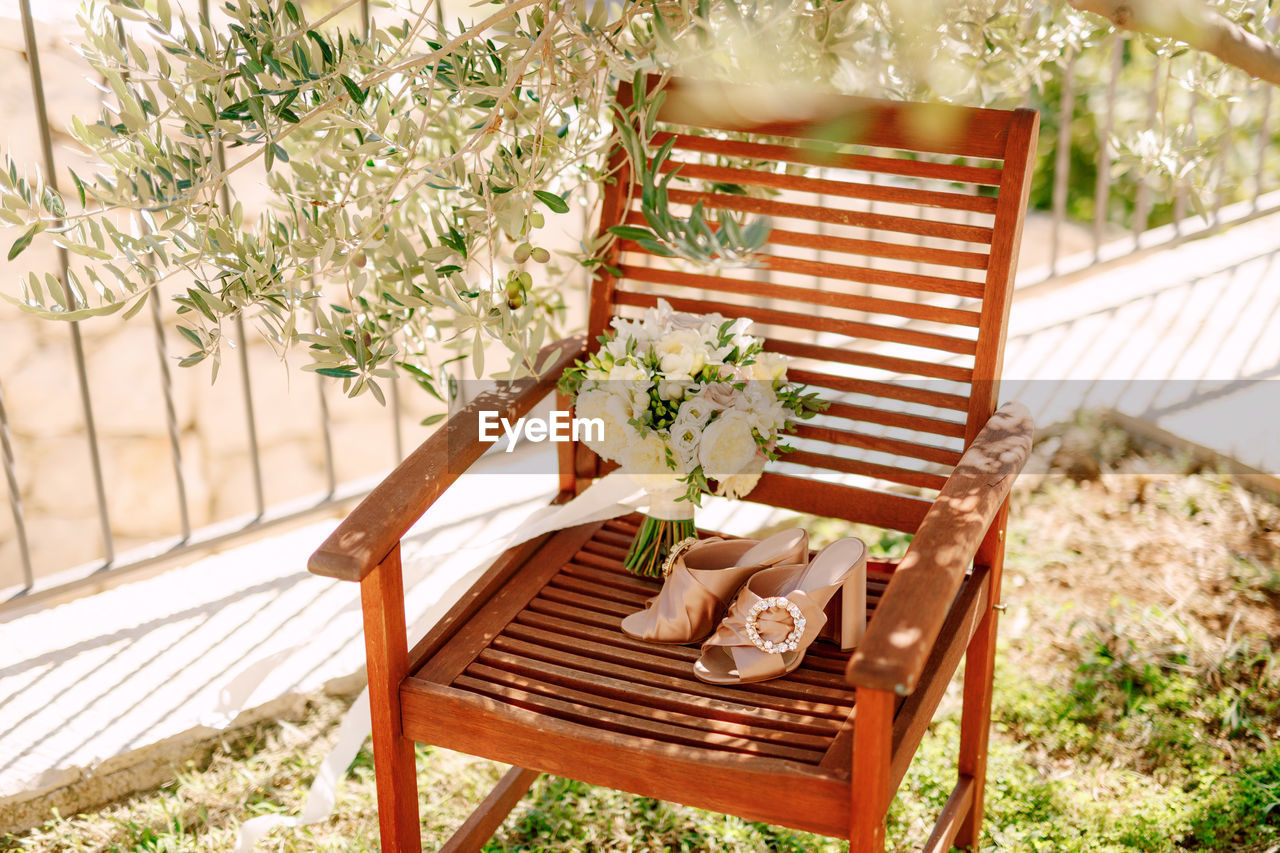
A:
[609, 497]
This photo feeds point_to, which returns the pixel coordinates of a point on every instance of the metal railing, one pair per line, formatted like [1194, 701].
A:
[1238, 195]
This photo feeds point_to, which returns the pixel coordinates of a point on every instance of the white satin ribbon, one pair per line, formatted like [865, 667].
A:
[609, 497]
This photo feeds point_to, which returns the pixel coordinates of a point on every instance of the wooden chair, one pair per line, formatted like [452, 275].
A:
[887, 278]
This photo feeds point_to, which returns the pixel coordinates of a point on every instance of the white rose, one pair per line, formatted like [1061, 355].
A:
[613, 410]
[727, 445]
[740, 485]
[646, 460]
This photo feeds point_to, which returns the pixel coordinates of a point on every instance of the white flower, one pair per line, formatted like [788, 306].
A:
[645, 459]
[768, 367]
[613, 410]
[727, 445]
[739, 485]
[673, 389]
[681, 353]
[626, 371]
[684, 437]
[696, 409]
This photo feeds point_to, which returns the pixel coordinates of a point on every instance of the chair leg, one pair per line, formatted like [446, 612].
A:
[975, 724]
[488, 816]
[872, 757]
[387, 653]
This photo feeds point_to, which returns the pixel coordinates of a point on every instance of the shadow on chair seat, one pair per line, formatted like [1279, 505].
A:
[542, 668]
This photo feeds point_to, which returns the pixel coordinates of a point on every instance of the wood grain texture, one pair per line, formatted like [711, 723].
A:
[979, 672]
[721, 781]
[938, 128]
[825, 157]
[898, 641]
[1015, 188]
[853, 246]
[957, 806]
[375, 526]
[480, 826]
[797, 320]
[872, 755]
[805, 295]
[887, 193]
[917, 710]
[394, 767]
[838, 216]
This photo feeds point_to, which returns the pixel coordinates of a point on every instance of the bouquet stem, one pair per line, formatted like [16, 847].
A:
[653, 542]
[667, 521]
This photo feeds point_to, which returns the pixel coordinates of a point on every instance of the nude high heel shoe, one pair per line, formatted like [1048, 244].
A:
[702, 578]
[779, 613]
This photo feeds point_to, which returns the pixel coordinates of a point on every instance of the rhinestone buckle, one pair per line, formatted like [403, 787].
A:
[676, 550]
[792, 639]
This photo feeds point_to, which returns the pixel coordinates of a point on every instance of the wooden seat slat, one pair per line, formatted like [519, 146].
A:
[807, 295]
[835, 711]
[812, 156]
[695, 716]
[887, 193]
[551, 646]
[632, 600]
[606, 577]
[627, 725]
[605, 549]
[587, 602]
[661, 697]
[772, 317]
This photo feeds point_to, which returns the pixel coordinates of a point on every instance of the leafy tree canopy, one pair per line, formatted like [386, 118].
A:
[415, 167]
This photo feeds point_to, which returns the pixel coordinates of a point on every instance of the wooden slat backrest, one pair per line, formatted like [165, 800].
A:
[886, 277]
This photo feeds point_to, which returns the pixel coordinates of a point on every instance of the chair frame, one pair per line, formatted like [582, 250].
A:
[938, 607]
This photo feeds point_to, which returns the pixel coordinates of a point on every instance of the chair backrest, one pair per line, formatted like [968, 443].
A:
[886, 277]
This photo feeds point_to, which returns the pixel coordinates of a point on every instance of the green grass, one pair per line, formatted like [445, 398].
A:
[1137, 708]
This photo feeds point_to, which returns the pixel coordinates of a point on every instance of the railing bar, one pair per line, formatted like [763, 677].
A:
[15, 497]
[251, 422]
[1270, 24]
[64, 265]
[1189, 136]
[1142, 204]
[397, 429]
[1263, 138]
[171, 416]
[1062, 161]
[326, 428]
[1102, 189]
[166, 384]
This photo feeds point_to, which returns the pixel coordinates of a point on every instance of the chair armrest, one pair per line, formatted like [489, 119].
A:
[374, 527]
[899, 639]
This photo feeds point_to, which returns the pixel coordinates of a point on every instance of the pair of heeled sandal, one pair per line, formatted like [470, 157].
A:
[779, 609]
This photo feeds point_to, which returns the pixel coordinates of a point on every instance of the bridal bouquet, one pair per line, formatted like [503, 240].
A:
[689, 404]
